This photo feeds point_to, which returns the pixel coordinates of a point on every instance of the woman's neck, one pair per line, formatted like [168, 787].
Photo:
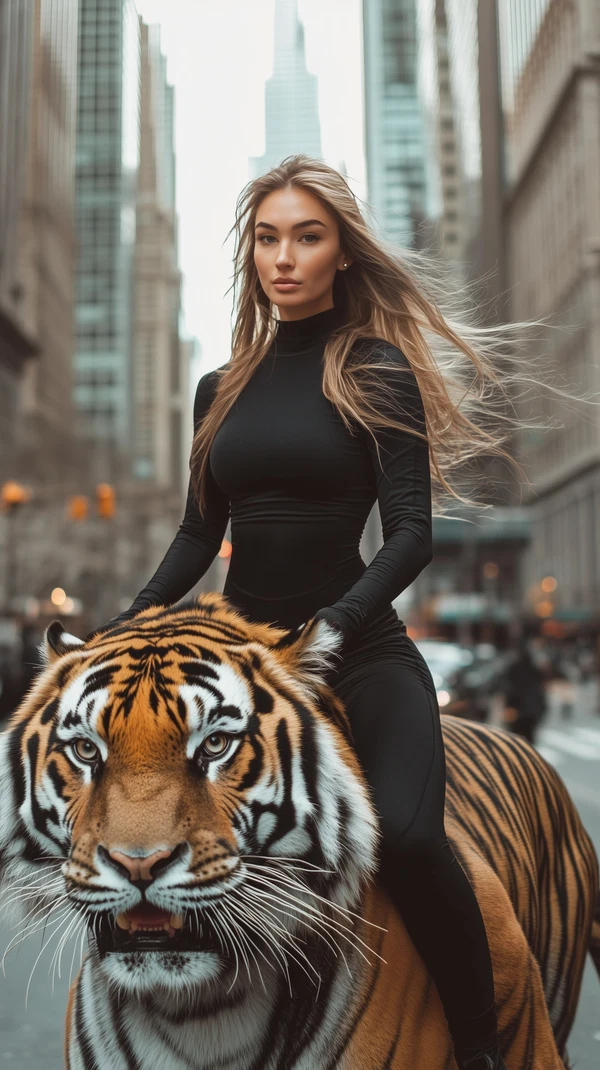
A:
[294, 336]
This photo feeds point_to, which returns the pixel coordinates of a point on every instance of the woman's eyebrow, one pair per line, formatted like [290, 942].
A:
[305, 223]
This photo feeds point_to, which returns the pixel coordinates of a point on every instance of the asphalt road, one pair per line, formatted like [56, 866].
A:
[31, 1037]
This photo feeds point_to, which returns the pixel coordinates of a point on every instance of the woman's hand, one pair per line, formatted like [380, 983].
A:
[333, 618]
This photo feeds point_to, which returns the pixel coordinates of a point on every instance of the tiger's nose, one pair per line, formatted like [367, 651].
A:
[140, 869]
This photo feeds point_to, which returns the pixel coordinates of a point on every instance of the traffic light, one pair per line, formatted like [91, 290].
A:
[105, 500]
[77, 507]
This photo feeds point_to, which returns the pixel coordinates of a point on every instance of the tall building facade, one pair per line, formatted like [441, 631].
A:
[291, 96]
[459, 86]
[160, 381]
[108, 139]
[47, 247]
[394, 128]
[16, 58]
[551, 92]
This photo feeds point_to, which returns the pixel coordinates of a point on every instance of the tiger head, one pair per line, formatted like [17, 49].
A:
[185, 784]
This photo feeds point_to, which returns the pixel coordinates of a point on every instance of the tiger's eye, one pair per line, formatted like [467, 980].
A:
[215, 745]
[85, 750]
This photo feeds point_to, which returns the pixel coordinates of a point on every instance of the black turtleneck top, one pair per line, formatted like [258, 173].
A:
[299, 486]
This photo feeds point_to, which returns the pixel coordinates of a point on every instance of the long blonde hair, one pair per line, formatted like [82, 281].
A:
[464, 370]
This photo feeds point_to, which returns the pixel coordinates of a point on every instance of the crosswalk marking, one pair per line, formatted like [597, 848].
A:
[574, 743]
[591, 734]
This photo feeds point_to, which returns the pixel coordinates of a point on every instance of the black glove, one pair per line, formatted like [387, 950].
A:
[335, 619]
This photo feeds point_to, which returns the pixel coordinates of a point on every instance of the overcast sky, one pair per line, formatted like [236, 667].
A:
[219, 54]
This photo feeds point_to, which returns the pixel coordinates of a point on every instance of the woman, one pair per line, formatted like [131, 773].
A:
[317, 415]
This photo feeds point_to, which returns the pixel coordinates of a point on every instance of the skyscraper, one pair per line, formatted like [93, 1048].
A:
[47, 246]
[394, 121]
[552, 116]
[159, 366]
[107, 171]
[291, 96]
[16, 345]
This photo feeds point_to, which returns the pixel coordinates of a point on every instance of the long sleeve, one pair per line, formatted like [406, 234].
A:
[198, 539]
[404, 496]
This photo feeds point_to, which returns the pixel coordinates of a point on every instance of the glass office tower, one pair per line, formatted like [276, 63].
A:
[106, 179]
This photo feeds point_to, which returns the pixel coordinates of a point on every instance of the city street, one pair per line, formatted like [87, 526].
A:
[32, 1037]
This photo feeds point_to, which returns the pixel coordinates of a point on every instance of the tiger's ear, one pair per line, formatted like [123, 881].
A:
[57, 642]
[310, 651]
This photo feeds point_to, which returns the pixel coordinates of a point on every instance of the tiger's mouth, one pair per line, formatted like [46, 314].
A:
[147, 928]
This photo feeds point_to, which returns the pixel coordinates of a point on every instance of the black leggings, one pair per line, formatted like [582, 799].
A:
[393, 710]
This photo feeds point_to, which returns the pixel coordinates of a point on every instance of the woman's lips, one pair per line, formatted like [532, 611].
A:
[285, 285]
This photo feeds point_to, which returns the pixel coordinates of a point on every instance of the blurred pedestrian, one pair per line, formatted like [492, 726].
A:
[525, 694]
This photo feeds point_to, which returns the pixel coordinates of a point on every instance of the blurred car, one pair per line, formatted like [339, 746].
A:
[466, 679]
[484, 678]
[447, 661]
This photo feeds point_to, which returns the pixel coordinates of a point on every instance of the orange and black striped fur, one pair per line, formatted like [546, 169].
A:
[192, 768]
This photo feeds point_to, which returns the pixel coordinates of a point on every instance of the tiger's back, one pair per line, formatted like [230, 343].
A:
[508, 808]
[517, 833]
[228, 727]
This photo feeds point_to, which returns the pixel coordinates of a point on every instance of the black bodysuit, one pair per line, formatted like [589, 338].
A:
[299, 487]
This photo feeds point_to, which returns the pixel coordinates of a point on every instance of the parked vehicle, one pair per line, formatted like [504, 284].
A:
[466, 679]
[446, 661]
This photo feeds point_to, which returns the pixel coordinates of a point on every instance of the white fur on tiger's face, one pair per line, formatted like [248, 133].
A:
[187, 797]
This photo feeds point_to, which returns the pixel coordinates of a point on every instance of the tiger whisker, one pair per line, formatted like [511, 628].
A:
[291, 863]
[331, 943]
[334, 947]
[44, 946]
[34, 920]
[56, 957]
[278, 951]
[234, 906]
[31, 886]
[333, 906]
[74, 952]
[56, 961]
[262, 928]
[240, 944]
[313, 914]
[29, 930]
[24, 897]
[290, 938]
[216, 922]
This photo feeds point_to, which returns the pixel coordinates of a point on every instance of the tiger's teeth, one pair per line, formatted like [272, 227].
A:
[176, 920]
[123, 922]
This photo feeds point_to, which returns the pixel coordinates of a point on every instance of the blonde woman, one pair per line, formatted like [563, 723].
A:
[336, 402]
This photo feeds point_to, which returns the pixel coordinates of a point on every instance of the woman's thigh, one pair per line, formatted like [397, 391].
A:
[394, 716]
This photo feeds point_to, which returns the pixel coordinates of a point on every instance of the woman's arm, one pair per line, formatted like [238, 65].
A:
[404, 496]
[198, 539]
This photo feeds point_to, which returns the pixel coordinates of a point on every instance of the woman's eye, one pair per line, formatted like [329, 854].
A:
[85, 750]
[262, 237]
[216, 744]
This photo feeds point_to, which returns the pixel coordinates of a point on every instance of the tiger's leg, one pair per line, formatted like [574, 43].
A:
[393, 711]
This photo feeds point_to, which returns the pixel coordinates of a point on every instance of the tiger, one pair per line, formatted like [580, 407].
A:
[183, 789]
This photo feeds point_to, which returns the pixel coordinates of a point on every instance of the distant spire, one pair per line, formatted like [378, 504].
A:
[291, 95]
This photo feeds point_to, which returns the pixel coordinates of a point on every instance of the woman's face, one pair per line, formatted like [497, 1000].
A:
[297, 238]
